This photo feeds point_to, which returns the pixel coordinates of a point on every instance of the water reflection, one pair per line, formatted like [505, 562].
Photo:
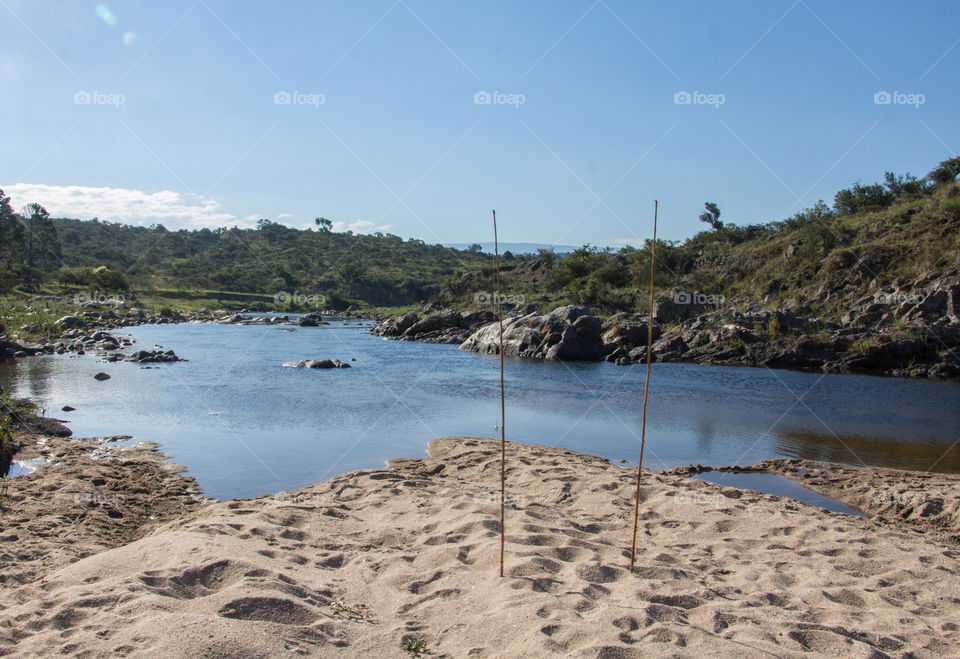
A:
[859, 450]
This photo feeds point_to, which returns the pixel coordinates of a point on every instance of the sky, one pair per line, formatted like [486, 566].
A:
[418, 117]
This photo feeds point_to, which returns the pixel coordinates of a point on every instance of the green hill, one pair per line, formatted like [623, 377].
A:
[899, 234]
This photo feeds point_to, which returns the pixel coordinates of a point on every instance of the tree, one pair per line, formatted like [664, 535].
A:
[901, 185]
[712, 216]
[861, 197]
[946, 172]
[475, 248]
[11, 232]
[351, 272]
[325, 225]
[547, 255]
[42, 238]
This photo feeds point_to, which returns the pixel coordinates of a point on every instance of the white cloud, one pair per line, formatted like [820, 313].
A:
[129, 38]
[283, 216]
[360, 226]
[172, 209]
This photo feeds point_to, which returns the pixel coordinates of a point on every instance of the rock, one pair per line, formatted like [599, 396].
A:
[406, 321]
[151, 356]
[679, 308]
[669, 347]
[317, 363]
[69, 322]
[566, 334]
[444, 327]
[101, 376]
[68, 408]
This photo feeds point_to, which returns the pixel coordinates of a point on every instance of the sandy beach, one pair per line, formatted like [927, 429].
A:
[370, 560]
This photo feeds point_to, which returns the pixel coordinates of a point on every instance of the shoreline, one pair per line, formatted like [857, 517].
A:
[732, 344]
[365, 560]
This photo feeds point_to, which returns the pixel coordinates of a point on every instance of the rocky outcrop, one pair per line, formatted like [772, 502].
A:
[452, 327]
[565, 334]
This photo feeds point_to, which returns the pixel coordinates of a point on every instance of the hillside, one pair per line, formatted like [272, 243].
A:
[900, 235]
[897, 238]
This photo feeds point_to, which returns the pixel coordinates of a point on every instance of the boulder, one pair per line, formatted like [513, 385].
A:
[69, 322]
[566, 334]
[101, 376]
[675, 309]
[153, 356]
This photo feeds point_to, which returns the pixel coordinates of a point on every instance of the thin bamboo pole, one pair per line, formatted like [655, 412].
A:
[646, 389]
[503, 432]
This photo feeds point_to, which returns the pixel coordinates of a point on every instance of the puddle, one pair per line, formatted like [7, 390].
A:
[777, 485]
[22, 468]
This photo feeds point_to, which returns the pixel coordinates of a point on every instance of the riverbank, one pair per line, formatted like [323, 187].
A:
[372, 560]
[909, 341]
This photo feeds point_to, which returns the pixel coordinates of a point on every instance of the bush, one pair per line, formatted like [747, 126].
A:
[951, 208]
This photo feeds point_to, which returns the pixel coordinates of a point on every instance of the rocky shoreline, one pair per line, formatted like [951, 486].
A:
[917, 338]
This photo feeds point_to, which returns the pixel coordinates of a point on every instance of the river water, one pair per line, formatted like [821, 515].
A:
[243, 425]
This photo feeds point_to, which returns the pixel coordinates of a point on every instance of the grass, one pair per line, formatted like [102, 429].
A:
[415, 646]
[863, 347]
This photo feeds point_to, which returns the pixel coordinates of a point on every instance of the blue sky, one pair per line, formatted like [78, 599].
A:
[174, 112]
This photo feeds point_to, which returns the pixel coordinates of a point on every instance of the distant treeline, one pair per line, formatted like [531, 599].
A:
[898, 227]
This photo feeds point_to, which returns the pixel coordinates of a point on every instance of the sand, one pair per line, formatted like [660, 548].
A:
[358, 565]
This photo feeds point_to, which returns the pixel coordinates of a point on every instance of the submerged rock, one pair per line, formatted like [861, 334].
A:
[317, 363]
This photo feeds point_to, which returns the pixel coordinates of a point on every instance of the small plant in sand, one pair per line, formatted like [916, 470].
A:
[415, 646]
[357, 612]
[4, 482]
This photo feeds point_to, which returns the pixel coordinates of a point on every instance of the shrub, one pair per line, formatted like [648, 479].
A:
[951, 208]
